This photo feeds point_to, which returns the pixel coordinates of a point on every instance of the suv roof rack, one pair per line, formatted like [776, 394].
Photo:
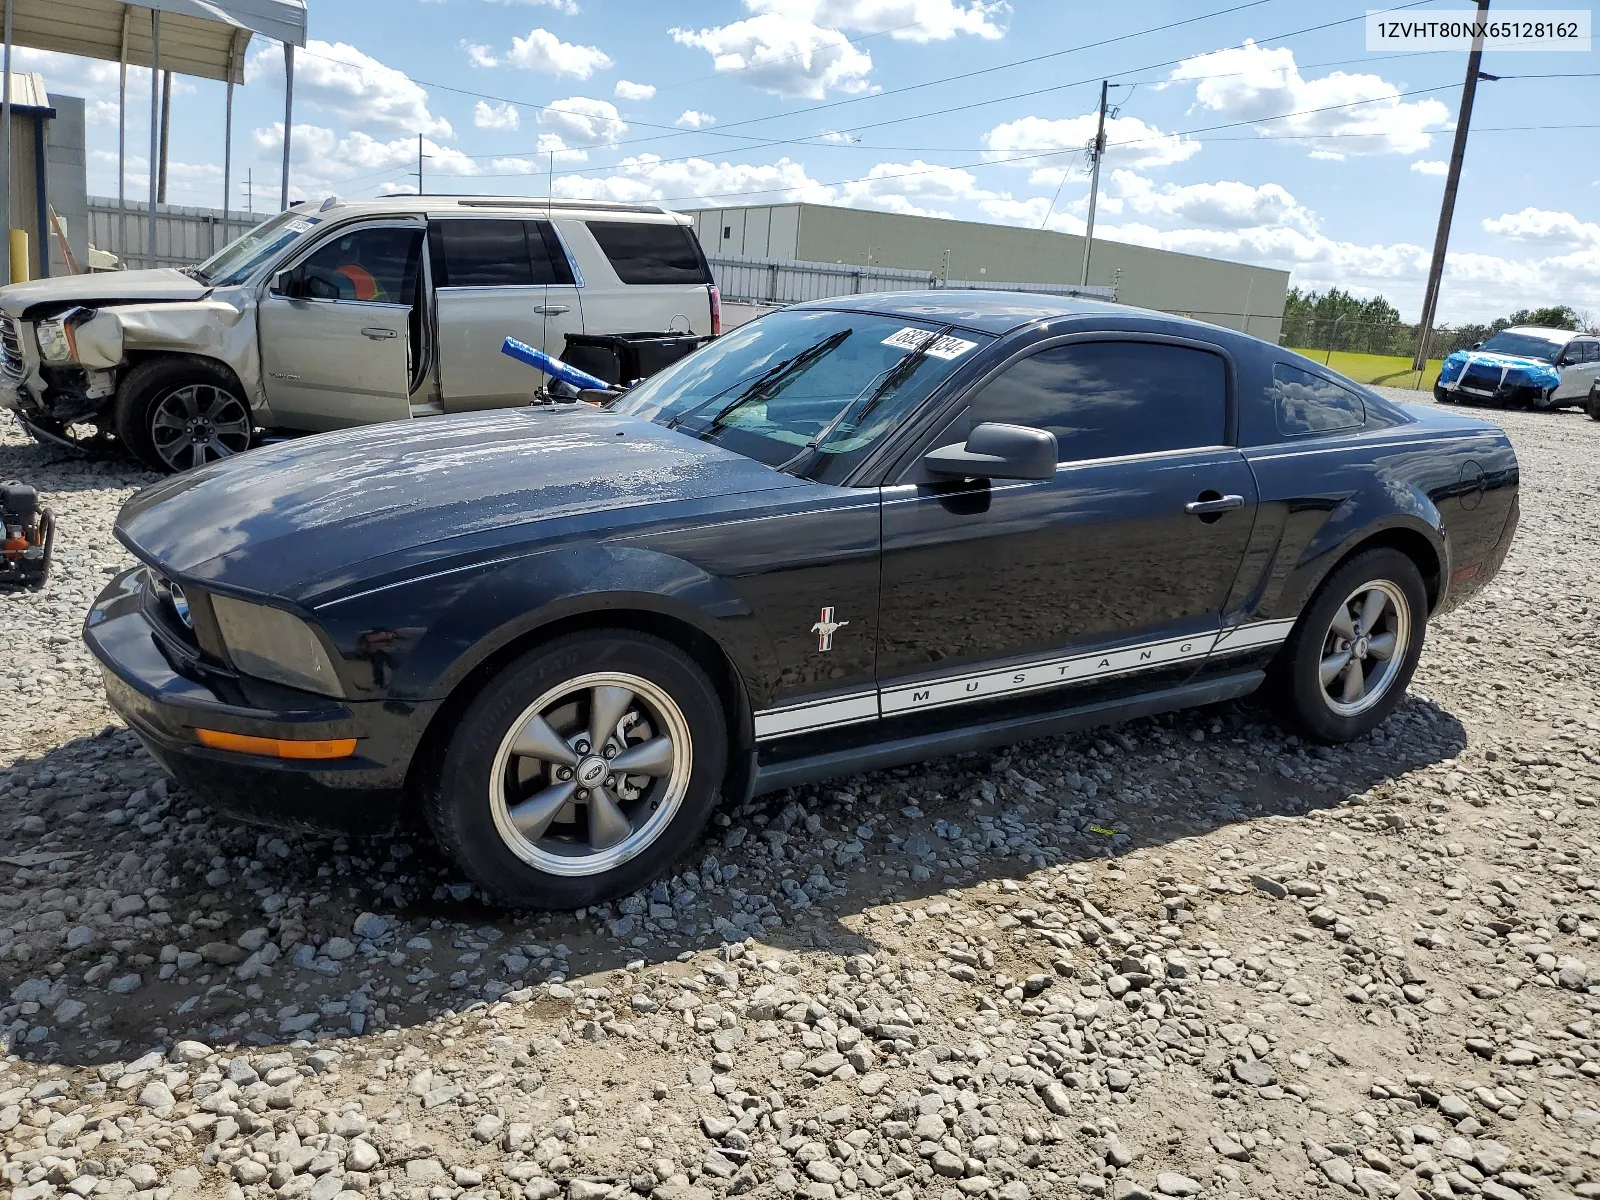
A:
[612, 205]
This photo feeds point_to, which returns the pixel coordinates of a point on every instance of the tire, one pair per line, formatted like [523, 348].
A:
[552, 854]
[1310, 704]
[1441, 395]
[1593, 405]
[175, 413]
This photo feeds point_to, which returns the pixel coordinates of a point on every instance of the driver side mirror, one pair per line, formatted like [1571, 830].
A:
[995, 451]
[1477, 345]
[286, 283]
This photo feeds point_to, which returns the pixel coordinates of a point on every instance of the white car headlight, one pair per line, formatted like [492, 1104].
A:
[272, 644]
[55, 341]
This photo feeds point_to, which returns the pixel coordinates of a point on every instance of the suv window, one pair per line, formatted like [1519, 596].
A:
[379, 265]
[1591, 351]
[1305, 403]
[497, 253]
[641, 252]
[1109, 399]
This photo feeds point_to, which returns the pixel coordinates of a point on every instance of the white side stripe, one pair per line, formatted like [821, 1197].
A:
[823, 714]
[1024, 677]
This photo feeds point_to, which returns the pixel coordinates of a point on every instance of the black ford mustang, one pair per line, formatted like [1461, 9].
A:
[851, 534]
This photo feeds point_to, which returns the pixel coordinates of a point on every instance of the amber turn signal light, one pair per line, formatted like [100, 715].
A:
[276, 747]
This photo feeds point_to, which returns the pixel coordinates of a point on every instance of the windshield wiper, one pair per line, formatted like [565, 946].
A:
[892, 379]
[765, 383]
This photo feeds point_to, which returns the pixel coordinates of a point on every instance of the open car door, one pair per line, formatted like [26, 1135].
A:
[334, 329]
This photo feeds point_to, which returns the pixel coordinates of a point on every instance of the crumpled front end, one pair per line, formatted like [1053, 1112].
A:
[1502, 377]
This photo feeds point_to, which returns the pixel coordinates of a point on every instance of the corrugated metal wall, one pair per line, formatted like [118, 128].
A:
[184, 234]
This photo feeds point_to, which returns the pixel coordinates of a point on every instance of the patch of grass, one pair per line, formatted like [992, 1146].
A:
[1387, 370]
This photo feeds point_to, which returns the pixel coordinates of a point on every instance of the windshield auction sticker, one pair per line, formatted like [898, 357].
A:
[919, 339]
[1427, 30]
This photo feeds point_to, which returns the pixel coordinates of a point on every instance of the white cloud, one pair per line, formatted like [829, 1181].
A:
[1129, 142]
[783, 55]
[480, 55]
[1543, 226]
[543, 51]
[916, 188]
[496, 116]
[626, 89]
[647, 177]
[548, 144]
[1426, 166]
[692, 119]
[356, 153]
[1252, 83]
[1222, 205]
[584, 121]
[904, 20]
[340, 79]
[96, 81]
[565, 7]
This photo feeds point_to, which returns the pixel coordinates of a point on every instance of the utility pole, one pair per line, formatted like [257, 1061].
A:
[1096, 153]
[1447, 208]
[249, 186]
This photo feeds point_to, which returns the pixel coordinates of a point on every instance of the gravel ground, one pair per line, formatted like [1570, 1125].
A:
[1190, 956]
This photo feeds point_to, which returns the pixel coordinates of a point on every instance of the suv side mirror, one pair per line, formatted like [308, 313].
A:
[1477, 346]
[995, 451]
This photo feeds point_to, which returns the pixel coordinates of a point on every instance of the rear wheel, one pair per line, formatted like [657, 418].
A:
[1349, 660]
[582, 771]
[175, 414]
[1592, 407]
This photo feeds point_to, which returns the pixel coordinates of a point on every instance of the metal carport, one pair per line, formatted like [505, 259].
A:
[202, 38]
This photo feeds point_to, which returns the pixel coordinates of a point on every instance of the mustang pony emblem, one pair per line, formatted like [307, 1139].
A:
[826, 628]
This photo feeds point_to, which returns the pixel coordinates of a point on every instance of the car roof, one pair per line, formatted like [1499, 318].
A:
[995, 312]
[516, 206]
[1560, 336]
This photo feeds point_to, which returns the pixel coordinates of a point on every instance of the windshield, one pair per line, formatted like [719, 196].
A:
[1523, 345]
[239, 259]
[805, 386]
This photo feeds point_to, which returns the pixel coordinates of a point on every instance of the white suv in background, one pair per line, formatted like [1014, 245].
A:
[339, 314]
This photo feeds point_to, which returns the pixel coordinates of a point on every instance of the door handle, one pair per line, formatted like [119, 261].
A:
[378, 333]
[551, 310]
[1213, 504]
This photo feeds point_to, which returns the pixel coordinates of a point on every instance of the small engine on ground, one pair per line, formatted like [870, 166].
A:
[29, 531]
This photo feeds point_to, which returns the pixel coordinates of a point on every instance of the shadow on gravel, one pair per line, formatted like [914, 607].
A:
[261, 935]
[67, 471]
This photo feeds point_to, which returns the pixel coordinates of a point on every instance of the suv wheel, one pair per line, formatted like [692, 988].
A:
[1441, 394]
[1348, 662]
[174, 414]
[1592, 407]
[582, 771]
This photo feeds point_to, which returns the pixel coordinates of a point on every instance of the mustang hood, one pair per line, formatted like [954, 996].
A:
[291, 520]
[107, 287]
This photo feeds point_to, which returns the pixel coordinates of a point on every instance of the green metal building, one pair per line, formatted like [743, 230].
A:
[1236, 295]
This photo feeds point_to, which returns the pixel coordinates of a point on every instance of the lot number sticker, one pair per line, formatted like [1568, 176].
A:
[942, 347]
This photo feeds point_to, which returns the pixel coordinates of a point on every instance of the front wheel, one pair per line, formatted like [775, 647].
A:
[1592, 406]
[175, 414]
[1348, 662]
[582, 771]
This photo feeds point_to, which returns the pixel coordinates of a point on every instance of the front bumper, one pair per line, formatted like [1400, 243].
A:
[164, 700]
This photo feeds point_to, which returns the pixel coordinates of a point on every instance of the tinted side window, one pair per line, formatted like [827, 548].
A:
[486, 254]
[373, 264]
[1591, 352]
[1107, 399]
[645, 253]
[1304, 403]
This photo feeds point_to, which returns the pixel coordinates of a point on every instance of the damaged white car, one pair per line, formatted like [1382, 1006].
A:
[342, 314]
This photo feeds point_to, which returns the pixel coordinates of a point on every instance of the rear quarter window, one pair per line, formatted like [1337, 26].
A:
[644, 252]
[1305, 404]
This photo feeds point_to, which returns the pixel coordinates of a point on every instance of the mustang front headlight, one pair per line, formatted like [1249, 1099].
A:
[272, 644]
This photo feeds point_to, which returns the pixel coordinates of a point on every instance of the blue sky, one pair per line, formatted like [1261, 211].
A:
[851, 102]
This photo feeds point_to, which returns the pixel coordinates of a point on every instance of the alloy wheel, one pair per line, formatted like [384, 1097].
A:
[199, 423]
[1364, 647]
[590, 774]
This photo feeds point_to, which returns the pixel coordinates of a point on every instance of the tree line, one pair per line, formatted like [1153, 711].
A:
[1337, 320]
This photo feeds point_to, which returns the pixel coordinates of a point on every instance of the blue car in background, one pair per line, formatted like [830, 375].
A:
[1527, 366]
